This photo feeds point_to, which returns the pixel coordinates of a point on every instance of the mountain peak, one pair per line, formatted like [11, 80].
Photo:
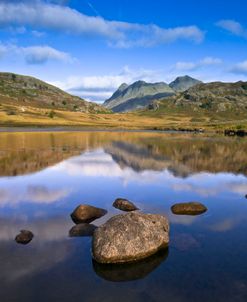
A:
[183, 83]
[122, 87]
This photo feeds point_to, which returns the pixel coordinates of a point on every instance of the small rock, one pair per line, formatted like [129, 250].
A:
[124, 205]
[24, 237]
[86, 214]
[130, 237]
[82, 230]
[188, 208]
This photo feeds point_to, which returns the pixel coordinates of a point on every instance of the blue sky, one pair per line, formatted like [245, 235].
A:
[90, 47]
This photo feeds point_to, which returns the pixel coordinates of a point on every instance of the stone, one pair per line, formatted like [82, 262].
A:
[188, 208]
[24, 237]
[130, 237]
[86, 214]
[124, 205]
[82, 230]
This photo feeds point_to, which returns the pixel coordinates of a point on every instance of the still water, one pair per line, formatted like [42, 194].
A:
[44, 176]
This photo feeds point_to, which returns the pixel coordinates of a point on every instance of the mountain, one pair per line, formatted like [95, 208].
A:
[183, 83]
[25, 91]
[137, 95]
[141, 94]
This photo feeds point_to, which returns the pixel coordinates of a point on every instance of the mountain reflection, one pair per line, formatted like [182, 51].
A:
[182, 155]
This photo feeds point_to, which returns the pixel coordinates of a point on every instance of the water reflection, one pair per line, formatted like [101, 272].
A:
[44, 176]
[130, 271]
[23, 153]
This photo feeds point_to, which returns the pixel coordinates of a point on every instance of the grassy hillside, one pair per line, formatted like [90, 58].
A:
[24, 91]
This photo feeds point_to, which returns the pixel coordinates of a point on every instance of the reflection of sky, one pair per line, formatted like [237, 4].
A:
[97, 171]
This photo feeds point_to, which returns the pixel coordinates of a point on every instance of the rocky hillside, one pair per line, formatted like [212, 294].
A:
[215, 97]
[141, 94]
[19, 90]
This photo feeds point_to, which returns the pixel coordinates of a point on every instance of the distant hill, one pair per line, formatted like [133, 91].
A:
[183, 83]
[20, 90]
[141, 94]
[228, 100]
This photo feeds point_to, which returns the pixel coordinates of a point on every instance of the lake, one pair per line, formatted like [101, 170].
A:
[45, 175]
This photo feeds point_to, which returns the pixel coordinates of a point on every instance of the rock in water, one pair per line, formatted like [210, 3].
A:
[124, 205]
[130, 237]
[86, 214]
[188, 208]
[82, 230]
[24, 237]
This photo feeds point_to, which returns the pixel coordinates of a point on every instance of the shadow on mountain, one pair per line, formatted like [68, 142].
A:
[130, 271]
[135, 103]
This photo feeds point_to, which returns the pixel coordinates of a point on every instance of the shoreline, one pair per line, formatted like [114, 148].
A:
[18, 129]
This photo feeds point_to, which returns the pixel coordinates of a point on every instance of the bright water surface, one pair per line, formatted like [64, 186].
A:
[44, 176]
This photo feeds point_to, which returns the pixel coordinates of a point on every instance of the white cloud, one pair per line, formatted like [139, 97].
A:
[33, 194]
[42, 54]
[3, 50]
[189, 66]
[38, 54]
[37, 34]
[100, 88]
[233, 27]
[240, 68]
[120, 34]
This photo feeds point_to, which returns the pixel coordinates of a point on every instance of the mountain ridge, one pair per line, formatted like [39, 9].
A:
[140, 93]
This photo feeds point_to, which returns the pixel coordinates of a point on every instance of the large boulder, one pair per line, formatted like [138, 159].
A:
[86, 214]
[188, 208]
[130, 237]
[24, 237]
[124, 205]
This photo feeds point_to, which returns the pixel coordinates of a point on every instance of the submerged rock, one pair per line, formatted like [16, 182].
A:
[184, 242]
[121, 272]
[24, 237]
[82, 230]
[86, 214]
[124, 205]
[130, 237]
[188, 208]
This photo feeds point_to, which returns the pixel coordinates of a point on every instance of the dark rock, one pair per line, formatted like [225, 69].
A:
[130, 271]
[82, 230]
[86, 214]
[24, 237]
[188, 208]
[130, 237]
[124, 205]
